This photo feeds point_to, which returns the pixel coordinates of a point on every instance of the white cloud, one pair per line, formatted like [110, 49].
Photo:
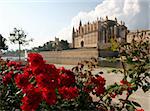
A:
[65, 33]
[135, 13]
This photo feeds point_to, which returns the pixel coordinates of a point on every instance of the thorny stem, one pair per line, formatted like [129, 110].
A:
[124, 68]
[123, 104]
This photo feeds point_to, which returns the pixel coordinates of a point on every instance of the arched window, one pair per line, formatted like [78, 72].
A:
[82, 44]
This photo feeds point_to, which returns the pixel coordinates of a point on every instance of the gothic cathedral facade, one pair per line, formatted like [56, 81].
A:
[98, 33]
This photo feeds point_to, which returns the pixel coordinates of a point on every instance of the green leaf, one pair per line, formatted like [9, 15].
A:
[18, 92]
[129, 107]
[56, 91]
[131, 76]
[122, 100]
[114, 70]
[135, 87]
[147, 74]
[136, 104]
[145, 88]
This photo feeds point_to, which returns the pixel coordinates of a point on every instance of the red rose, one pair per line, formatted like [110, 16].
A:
[38, 69]
[64, 80]
[45, 81]
[100, 90]
[122, 82]
[126, 83]
[49, 96]
[29, 87]
[12, 63]
[32, 100]
[67, 78]
[68, 92]
[7, 78]
[113, 95]
[52, 71]
[139, 110]
[35, 59]
[99, 83]
[22, 80]
[99, 80]
[28, 72]
[89, 87]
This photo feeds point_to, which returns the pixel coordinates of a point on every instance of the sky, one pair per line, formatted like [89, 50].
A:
[43, 20]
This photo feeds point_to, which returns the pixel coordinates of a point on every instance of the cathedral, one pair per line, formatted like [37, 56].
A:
[98, 34]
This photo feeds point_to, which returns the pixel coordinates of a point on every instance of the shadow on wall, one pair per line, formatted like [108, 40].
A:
[104, 53]
[106, 63]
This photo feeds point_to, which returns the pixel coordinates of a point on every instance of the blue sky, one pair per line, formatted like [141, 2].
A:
[40, 18]
[45, 19]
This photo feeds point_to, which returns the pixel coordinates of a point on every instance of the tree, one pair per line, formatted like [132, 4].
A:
[114, 44]
[18, 36]
[53, 46]
[2, 43]
[64, 44]
[50, 46]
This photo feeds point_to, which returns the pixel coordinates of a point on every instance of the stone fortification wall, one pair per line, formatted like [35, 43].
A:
[69, 56]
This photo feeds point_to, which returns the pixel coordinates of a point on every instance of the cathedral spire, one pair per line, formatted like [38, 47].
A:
[106, 18]
[80, 24]
[115, 19]
[73, 31]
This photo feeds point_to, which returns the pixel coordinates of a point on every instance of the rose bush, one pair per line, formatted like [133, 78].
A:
[42, 86]
[39, 83]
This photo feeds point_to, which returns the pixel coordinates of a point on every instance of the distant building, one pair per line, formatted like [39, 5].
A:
[137, 35]
[98, 33]
[55, 44]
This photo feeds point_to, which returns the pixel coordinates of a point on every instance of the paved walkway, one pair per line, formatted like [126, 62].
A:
[139, 96]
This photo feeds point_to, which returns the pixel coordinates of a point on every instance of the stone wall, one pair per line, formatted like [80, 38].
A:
[89, 40]
[69, 56]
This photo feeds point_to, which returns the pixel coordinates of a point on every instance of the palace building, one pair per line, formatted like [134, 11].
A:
[99, 33]
[138, 35]
[94, 40]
